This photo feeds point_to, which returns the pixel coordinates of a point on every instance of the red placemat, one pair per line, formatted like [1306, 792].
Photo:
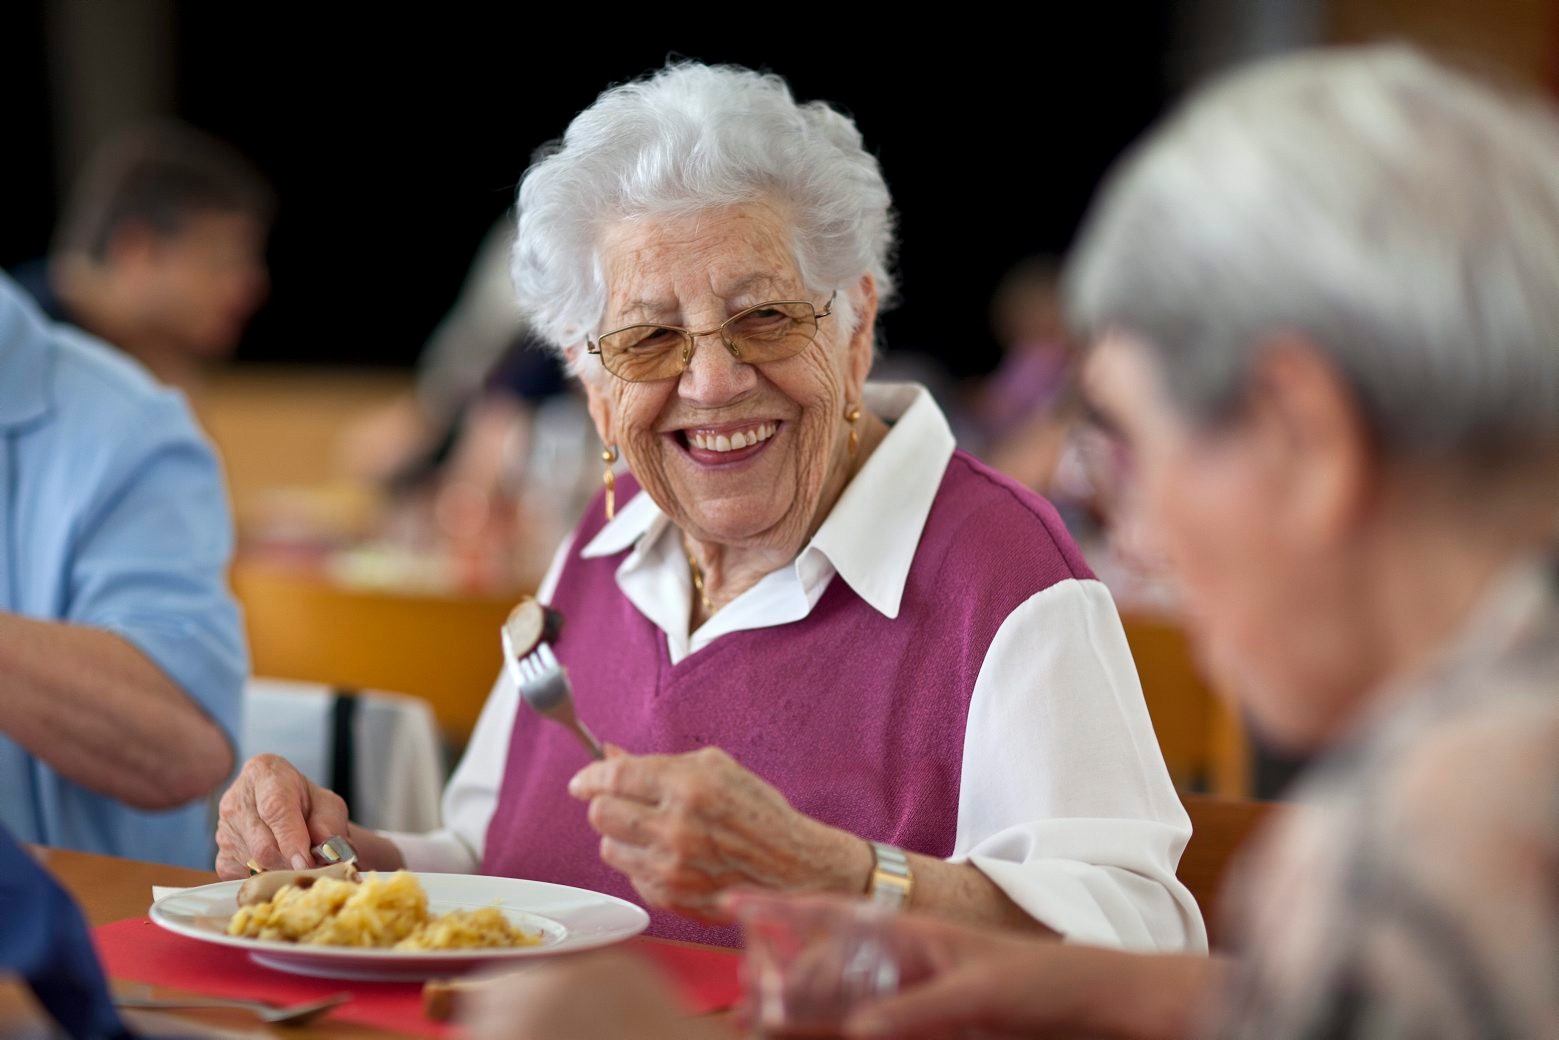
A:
[135, 950]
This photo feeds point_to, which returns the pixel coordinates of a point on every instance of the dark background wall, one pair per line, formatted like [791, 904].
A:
[396, 135]
[395, 140]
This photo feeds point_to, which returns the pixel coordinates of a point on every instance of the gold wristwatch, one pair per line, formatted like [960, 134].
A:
[891, 880]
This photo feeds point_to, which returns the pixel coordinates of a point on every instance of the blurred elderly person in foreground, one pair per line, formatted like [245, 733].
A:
[1324, 299]
[848, 657]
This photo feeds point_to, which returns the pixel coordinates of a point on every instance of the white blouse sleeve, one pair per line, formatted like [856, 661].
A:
[471, 796]
[1065, 802]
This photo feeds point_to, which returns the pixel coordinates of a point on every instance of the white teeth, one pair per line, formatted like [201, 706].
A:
[733, 442]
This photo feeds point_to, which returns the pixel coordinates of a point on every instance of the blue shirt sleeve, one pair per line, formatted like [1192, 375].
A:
[151, 558]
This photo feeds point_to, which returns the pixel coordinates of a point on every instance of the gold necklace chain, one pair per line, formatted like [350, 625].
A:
[698, 579]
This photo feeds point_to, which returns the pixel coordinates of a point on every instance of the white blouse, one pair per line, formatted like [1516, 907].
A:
[1064, 799]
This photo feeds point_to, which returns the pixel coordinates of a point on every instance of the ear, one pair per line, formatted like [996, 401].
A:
[600, 405]
[1315, 430]
[863, 339]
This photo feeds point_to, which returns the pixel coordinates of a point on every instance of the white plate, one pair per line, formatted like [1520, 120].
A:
[569, 919]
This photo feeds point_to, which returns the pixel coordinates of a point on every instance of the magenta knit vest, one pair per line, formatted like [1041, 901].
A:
[857, 719]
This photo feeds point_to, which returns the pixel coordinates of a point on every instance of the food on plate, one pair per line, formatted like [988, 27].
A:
[384, 911]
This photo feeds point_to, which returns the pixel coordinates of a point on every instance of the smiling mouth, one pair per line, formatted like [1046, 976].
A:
[730, 440]
[716, 445]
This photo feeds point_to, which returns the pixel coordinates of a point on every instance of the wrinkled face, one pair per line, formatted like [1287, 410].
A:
[202, 284]
[1242, 517]
[735, 454]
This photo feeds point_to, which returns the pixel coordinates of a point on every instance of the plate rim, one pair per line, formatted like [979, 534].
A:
[572, 942]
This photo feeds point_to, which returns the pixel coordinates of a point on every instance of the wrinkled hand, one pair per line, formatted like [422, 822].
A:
[274, 815]
[686, 827]
[583, 998]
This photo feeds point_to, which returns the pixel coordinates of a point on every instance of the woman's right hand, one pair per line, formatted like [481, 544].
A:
[275, 815]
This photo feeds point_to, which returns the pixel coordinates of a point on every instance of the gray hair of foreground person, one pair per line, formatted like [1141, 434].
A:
[1397, 214]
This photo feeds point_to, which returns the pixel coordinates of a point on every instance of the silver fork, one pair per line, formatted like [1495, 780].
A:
[291, 1015]
[544, 685]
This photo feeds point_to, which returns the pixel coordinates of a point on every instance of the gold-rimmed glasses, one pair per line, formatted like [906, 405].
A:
[765, 332]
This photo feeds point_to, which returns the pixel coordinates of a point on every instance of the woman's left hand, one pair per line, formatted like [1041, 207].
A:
[686, 827]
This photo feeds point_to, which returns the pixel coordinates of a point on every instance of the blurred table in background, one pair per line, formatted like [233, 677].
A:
[442, 647]
[334, 588]
[278, 427]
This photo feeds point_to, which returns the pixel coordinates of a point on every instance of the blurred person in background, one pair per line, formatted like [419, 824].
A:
[1324, 303]
[122, 655]
[459, 365]
[1027, 404]
[1028, 409]
[160, 250]
[488, 456]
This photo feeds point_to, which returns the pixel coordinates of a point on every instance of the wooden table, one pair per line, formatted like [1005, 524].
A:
[109, 889]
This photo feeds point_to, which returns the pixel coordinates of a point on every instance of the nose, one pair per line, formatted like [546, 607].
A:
[714, 377]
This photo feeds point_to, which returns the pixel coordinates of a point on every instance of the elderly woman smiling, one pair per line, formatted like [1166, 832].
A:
[846, 656]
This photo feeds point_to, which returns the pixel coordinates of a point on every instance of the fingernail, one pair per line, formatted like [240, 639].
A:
[575, 785]
[300, 861]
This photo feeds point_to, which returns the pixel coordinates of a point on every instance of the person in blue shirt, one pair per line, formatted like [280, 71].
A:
[121, 649]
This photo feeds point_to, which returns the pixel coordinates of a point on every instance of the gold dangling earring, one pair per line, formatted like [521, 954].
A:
[852, 415]
[609, 456]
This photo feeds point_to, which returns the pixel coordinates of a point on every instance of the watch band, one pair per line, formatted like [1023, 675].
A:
[891, 880]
